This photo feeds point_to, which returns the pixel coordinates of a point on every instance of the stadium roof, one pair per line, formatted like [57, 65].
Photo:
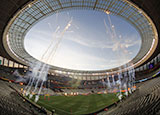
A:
[18, 16]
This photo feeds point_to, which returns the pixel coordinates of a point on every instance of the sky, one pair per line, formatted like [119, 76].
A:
[83, 40]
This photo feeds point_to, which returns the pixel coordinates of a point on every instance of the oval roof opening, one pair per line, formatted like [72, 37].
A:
[83, 40]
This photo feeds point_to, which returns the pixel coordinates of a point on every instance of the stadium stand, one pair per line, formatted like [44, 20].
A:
[11, 103]
[145, 100]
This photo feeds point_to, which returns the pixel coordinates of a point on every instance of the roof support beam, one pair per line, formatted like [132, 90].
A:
[95, 4]
[59, 3]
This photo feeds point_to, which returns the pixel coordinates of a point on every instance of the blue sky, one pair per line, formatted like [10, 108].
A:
[88, 43]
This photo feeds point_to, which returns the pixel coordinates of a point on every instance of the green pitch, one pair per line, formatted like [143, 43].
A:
[77, 105]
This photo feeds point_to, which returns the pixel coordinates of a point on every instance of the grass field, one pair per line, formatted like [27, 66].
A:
[77, 105]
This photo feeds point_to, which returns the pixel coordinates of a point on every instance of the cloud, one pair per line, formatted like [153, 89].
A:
[88, 43]
[83, 61]
[131, 40]
[124, 43]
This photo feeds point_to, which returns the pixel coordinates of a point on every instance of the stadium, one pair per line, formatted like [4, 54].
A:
[79, 57]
